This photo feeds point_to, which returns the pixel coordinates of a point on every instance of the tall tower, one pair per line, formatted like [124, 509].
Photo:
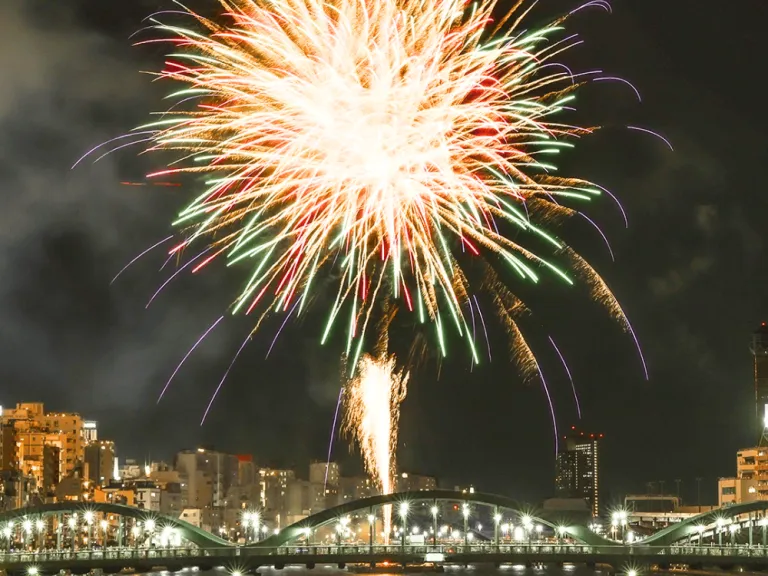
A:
[577, 471]
[759, 350]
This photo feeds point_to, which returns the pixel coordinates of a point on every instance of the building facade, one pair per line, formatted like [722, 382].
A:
[577, 468]
[751, 481]
[30, 417]
[408, 482]
[208, 474]
[100, 461]
[326, 473]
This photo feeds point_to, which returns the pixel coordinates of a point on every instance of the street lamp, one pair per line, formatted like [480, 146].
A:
[89, 522]
[528, 527]
[465, 512]
[150, 526]
[720, 524]
[27, 531]
[104, 527]
[434, 511]
[404, 517]
[7, 532]
[72, 523]
[244, 522]
[371, 530]
[40, 527]
[733, 528]
[701, 529]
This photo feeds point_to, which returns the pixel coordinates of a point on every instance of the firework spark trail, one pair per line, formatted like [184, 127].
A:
[373, 139]
[652, 133]
[187, 355]
[223, 378]
[172, 276]
[623, 81]
[551, 404]
[371, 417]
[485, 330]
[139, 256]
[333, 434]
[602, 294]
[123, 137]
[570, 378]
[280, 330]
[602, 234]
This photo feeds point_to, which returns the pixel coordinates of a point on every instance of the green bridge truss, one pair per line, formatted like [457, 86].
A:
[510, 508]
[197, 536]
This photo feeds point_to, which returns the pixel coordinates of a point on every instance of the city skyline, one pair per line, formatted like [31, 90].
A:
[74, 341]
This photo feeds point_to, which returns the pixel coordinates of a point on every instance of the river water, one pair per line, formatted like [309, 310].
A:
[475, 570]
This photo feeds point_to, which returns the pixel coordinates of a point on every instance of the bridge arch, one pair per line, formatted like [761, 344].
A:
[708, 521]
[197, 536]
[326, 517]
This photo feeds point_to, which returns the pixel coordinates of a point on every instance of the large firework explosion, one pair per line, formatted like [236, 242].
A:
[380, 142]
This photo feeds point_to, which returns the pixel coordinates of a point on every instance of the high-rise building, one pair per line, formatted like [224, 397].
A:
[32, 416]
[759, 350]
[209, 475]
[247, 471]
[100, 461]
[577, 471]
[33, 451]
[406, 482]
[273, 486]
[325, 473]
[90, 431]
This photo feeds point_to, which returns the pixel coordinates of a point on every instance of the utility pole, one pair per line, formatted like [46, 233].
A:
[661, 487]
[698, 492]
[678, 481]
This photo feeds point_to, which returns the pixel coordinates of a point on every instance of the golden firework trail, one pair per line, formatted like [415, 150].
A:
[382, 143]
[371, 417]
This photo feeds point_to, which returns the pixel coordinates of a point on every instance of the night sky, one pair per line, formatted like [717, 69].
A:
[690, 270]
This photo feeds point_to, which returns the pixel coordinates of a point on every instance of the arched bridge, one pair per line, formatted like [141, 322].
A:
[741, 523]
[727, 538]
[185, 530]
[503, 510]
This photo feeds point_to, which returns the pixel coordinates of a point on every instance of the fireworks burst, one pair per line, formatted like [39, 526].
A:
[371, 416]
[386, 140]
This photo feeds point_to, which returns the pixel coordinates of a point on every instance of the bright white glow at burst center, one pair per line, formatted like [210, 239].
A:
[378, 141]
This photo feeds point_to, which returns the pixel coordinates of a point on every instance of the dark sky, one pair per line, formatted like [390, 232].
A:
[690, 270]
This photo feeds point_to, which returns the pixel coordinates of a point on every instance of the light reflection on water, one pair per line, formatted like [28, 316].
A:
[475, 570]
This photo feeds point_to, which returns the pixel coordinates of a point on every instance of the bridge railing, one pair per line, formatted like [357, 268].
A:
[522, 549]
[111, 554]
[295, 552]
